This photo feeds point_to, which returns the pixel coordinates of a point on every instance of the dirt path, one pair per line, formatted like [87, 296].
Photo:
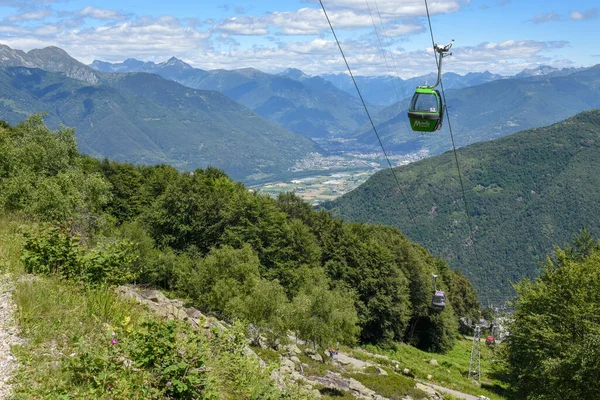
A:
[9, 335]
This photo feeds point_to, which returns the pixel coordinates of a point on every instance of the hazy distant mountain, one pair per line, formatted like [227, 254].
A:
[546, 71]
[382, 89]
[491, 110]
[144, 118]
[311, 106]
[50, 59]
[527, 193]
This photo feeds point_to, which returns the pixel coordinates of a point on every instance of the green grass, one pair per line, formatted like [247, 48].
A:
[269, 356]
[393, 386]
[452, 371]
[316, 368]
[60, 321]
[10, 243]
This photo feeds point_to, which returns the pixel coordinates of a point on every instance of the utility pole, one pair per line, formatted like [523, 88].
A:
[475, 363]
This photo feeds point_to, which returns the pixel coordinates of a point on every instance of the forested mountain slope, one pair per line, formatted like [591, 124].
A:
[492, 110]
[313, 107]
[526, 192]
[143, 118]
[239, 255]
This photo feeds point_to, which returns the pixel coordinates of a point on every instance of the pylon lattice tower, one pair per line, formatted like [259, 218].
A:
[475, 363]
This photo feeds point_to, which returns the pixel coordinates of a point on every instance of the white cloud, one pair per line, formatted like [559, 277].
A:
[397, 9]
[404, 29]
[344, 15]
[34, 15]
[587, 15]
[214, 45]
[545, 17]
[101, 13]
[243, 26]
[143, 37]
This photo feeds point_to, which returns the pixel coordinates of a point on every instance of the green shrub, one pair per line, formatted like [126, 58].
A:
[52, 250]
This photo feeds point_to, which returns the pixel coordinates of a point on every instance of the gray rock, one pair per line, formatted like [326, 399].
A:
[194, 313]
[309, 351]
[292, 349]
[154, 295]
[424, 388]
[434, 363]
[288, 364]
[381, 371]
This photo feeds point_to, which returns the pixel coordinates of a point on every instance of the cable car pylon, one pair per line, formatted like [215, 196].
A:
[475, 363]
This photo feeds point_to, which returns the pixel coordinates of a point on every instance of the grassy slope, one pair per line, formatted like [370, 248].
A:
[68, 327]
[453, 368]
[60, 320]
[527, 192]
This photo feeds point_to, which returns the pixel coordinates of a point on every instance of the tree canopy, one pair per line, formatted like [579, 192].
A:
[273, 262]
[554, 348]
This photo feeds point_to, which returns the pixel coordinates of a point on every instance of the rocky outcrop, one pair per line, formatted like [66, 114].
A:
[291, 369]
[334, 380]
[51, 59]
[431, 392]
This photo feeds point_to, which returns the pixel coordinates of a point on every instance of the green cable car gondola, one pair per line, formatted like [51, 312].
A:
[426, 111]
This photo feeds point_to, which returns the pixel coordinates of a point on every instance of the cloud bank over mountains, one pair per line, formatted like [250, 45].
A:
[271, 41]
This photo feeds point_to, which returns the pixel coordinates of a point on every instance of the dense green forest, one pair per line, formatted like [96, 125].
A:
[526, 193]
[275, 263]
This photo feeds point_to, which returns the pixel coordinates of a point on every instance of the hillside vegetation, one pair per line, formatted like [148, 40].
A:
[554, 350]
[273, 262]
[527, 192]
[84, 341]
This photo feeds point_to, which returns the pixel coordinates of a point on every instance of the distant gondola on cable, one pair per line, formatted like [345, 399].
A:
[438, 302]
[426, 111]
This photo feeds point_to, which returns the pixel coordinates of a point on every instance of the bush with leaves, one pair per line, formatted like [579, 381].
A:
[41, 174]
[53, 250]
[168, 351]
[324, 316]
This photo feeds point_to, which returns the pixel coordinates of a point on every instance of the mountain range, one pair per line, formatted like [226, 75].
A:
[491, 110]
[526, 193]
[482, 106]
[143, 118]
[307, 105]
[387, 90]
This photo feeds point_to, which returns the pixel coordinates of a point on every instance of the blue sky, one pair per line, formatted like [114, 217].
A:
[502, 36]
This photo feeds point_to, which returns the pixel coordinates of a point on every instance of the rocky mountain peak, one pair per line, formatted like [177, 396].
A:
[52, 58]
